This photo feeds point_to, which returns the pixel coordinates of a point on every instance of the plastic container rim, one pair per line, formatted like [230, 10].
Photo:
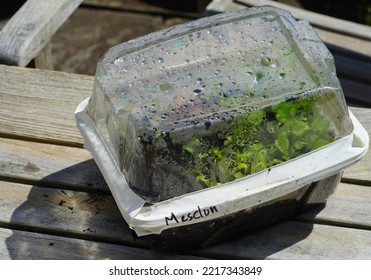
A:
[227, 198]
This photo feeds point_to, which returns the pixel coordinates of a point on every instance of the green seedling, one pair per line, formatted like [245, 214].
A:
[257, 140]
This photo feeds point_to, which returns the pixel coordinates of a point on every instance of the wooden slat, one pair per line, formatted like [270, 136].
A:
[40, 104]
[44, 59]
[220, 6]
[354, 44]
[330, 23]
[74, 168]
[349, 206]
[295, 241]
[50, 165]
[189, 8]
[360, 171]
[63, 212]
[95, 217]
[357, 44]
[21, 245]
[31, 28]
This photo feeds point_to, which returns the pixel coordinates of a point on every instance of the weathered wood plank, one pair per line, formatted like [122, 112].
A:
[360, 171]
[40, 104]
[326, 22]
[190, 8]
[295, 241]
[50, 165]
[74, 168]
[44, 59]
[31, 28]
[63, 212]
[349, 206]
[358, 44]
[96, 217]
[21, 90]
[23, 245]
[220, 6]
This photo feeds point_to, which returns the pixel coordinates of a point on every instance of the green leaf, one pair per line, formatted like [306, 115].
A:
[242, 166]
[202, 155]
[204, 180]
[282, 143]
[238, 175]
[298, 127]
[217, 152]
[321, 124]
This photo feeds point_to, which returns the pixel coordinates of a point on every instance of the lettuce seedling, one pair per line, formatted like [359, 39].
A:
[257, 140]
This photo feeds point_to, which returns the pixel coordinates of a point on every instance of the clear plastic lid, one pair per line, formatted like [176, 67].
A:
[215, 100]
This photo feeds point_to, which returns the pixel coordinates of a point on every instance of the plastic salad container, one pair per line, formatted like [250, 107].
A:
[219, 126]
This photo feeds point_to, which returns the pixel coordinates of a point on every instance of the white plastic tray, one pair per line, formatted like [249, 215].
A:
[228, 198]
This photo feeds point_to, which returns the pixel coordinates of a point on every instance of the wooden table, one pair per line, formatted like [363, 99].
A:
[55, 204]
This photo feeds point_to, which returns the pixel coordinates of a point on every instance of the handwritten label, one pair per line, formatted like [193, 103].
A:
[194, 215]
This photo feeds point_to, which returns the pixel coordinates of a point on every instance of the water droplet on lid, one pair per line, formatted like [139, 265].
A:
[258, 77]
[266, 61]
[197, 92]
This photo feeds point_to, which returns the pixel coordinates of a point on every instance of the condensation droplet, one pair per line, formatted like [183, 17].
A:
[197, 92]
[266, 61]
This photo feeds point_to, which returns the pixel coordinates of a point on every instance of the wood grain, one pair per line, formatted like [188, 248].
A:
[44, 59]
[23, 245]
[360, 171]
[63, 212]
[326, 22]
[31, 28]
[190, 8]
[348, 207]
[95, 217]
[297, 241]
[50, 165]
[39, 104]
[348, 35]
